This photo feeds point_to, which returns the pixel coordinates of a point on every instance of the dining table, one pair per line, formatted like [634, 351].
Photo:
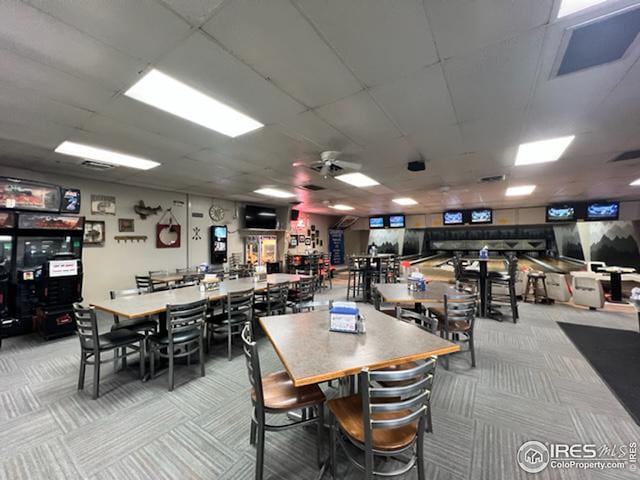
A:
[311, 353]
[615, 275]
[169, 277]
[401, 294]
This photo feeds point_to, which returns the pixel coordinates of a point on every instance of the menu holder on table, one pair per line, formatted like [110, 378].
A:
[345, 317]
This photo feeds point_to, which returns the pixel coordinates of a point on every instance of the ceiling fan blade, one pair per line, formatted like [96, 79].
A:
[351, 165]
[324, 171]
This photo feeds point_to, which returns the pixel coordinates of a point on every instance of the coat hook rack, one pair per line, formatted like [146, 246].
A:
[130, 238]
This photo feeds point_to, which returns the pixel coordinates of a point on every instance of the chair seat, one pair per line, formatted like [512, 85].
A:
[179, 337]
[135, 324]
[281, 395]
[348, 413]
[117, 338]
[454, 325]
[537, 275]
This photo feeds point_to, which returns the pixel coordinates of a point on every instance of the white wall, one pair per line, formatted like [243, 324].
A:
[322, 223]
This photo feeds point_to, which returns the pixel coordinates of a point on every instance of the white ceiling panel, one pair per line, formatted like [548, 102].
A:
[142, 28]
[360, 118]
[417, 102]
[196, 12]
[310, 127]
[496, 79]
[380, 40]
[201, 63]
[438, 142]
[41, 37]
[279, 43]
[40, 133]
[494, 133]
[462, 26]
[25, 73]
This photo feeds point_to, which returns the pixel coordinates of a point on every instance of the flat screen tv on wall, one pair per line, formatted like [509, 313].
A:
[264, 218]
[396, 221]
[561, 213]
[376, 222]
[482, 215]
[453, 217]
[603, 211]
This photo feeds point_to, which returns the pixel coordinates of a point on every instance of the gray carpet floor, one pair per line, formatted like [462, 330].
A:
[531, 383]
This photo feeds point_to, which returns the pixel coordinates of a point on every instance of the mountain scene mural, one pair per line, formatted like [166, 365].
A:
[617, 244]
[412, 244]
[568, 241]
[387, 241]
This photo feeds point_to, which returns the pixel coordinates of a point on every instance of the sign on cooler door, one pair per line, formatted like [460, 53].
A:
[63, 268]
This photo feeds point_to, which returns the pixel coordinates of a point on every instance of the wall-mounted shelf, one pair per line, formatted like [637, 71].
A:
[130, 238]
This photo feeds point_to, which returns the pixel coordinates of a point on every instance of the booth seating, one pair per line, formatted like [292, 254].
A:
[558, 287]
[587, 290]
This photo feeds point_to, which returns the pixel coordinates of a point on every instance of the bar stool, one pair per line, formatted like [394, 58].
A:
[506, 280]
[355, 279]
[537, 281]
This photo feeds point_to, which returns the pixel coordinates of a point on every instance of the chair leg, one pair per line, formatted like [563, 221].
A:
[124, 358]
[260, 452]
[143, 356]
[253, 432]
[171, 369]
[368, 464]
[83, 369]
[96, 376]
[429, 418]
[473, 350]
[332, 448]
[152, 360]
[420, 455]
[320, 445]
[201, 355]
[229, 341]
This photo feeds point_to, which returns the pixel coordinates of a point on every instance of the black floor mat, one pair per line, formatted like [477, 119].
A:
[615, 355]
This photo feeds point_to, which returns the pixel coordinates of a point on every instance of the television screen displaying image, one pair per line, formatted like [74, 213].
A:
[220, 232]
[561, 213]
[603, 211]
[452, 217]
[376, 222]
[482, 215]
[264, 218]
[396, 221]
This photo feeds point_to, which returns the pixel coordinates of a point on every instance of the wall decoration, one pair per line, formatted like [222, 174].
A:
[614, 242]
[386, 241]
[336, 247]
[412, 244]
[141, 209]
[70, 200]
[301, 239]
[130, 238]
[307, 242]
[313, 244]
[94, 232]
[196, 234]
[103, 205]
[293, 241]
[125, 225]
[313, 228]
[28, 195]
[168, 234]
[568, 241]
[216, 213]
[320, 243]
[308, 232]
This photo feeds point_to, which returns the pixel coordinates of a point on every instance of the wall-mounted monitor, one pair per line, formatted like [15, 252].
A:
[481, 215]
[603, 211]
[264, 218]
[453, 217]
[396, 221]
[561, 213]
[376, 222]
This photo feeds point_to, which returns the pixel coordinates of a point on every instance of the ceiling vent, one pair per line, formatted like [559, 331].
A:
[628, 155]
[493, 179]
[312, 187]
[333, 168]
[99, 166]
[599, 41]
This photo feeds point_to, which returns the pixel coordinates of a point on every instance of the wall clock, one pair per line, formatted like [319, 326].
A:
[216, 213]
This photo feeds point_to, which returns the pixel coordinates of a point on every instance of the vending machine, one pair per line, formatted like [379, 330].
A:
[218, 244]
[262, 250]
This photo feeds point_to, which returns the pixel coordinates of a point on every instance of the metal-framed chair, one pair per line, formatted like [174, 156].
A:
[457, 318]
[238, 309]
[276, 394]
[384, 421]
[185, 329]
[302, 295]
[508, 282]
[355, 276]
[156, 285]
[144, 324]
[93, 345]
[274, 299]
[143, 284]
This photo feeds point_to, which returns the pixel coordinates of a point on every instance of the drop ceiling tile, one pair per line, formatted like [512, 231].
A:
[201, 63]
[310, 127]
[63, 47]
[142, 29]
[359, 118]
[380, 41]
[196, 12]
[279, 43]
[417, 102]
[494, 133]
[495, 79]
[40, 133]
[466, 25]
[438, 142]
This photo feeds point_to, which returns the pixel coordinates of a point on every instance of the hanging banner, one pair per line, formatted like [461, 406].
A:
[336, 246]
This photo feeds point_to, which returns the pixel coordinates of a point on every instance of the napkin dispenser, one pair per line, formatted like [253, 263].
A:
[209, 283]
[344, 317]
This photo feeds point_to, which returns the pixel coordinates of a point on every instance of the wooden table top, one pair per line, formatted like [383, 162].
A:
[399, 292]
[136, 306]
[311, 353]
[174, 277]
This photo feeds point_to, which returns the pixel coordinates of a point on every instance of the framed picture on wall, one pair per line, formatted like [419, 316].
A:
[293, 241]
[307, 242]
[103, 205]
[301, 239]
[125, 225]
[94, 232]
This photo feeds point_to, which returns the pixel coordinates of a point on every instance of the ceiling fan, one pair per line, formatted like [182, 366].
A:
[330, 162]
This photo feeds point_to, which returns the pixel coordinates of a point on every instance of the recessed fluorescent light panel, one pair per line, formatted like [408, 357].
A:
[341, 207]
[166, 93]
[568, 7]
[522, 190]
[543, 151]
[405, 201]
[357, 180]
[104, 155]
[274, 192]
[635, 183]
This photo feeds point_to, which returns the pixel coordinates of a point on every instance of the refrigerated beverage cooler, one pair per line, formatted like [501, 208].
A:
[218, 244]
[262, 250]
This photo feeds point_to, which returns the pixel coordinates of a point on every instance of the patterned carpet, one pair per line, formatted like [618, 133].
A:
[530, 383]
